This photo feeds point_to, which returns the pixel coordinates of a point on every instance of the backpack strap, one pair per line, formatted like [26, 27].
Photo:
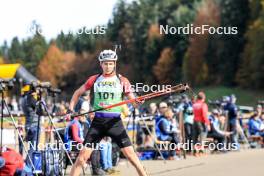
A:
[92, 90]
[119, 76]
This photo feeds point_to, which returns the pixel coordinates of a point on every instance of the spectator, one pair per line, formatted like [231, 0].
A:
[63, 108]
[14, 105]
[30, 110]
[106, 155]
[20, 128]
[163, 106]
[222, 121]
[2, 162]
[74, 132]
[201, 123]
[255, 124]
[262, 117]
[216, 133]
[232, 113]
[84, 98]
[259, 110]
[9, 106]
[151, 111]
[85, 107]
[167, 130]
[187, 110]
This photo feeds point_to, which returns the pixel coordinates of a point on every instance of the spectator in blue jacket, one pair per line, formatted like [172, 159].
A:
[256, 124]
[167, 130]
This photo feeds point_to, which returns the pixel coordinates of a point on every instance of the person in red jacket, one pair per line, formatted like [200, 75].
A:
[201, 123]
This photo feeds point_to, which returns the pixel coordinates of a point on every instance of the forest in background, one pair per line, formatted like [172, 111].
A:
[153, 58]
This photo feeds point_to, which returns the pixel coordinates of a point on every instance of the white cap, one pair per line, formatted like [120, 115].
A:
[107, 55]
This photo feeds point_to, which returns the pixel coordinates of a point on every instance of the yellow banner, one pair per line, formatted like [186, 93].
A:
[8, 70]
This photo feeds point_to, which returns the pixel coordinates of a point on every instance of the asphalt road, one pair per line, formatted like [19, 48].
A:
[244, 163]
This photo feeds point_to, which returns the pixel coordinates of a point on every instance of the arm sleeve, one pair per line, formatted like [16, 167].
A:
[89, 83]
[126, 84]
[75, 136]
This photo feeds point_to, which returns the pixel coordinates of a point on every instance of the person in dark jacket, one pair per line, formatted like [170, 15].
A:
[232, 114]
[31, 110]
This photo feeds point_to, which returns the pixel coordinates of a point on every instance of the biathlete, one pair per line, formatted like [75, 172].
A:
[106, 88]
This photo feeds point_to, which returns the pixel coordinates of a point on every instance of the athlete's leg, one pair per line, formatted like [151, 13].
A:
[118, 133]
[80, 162]
[92, 139]
[133, 159]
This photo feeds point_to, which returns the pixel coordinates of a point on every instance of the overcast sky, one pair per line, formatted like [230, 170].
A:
[16, 16]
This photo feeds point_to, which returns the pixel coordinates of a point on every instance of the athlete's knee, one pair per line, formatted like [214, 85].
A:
[84, 155]
[130, 154]
[81, 160]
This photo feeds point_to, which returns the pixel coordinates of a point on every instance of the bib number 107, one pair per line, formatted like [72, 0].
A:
[106, 95]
